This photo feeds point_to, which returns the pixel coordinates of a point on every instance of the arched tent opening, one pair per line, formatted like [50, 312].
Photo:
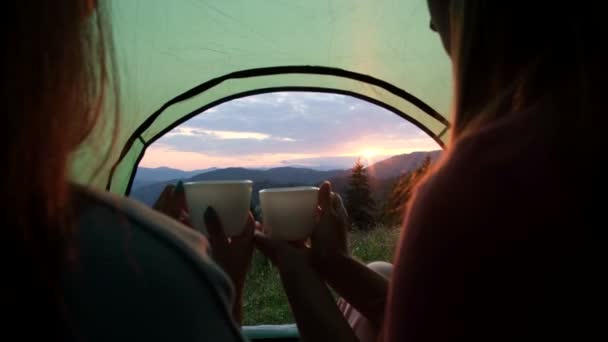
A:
[286, 131]
[292, 138]
[204, 97]
[178, 58]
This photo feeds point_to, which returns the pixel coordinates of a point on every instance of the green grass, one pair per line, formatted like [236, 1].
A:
[265, 301]
[376, 245]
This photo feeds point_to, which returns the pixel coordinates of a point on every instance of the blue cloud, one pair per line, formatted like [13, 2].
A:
[294, 122]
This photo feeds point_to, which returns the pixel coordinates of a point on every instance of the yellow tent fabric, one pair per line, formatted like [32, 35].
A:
[177, 58]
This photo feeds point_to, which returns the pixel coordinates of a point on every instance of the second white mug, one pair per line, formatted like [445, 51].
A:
[289, 213]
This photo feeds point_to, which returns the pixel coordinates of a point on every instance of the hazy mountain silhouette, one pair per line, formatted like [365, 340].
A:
[271, 178]
[382, 176]
[147, 176]
[397, 165]
[279, 175]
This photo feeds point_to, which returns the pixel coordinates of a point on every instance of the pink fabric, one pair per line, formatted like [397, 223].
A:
[361, 325]
[494, 241]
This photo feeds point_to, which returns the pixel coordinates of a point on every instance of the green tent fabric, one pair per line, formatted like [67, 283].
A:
[177, 58]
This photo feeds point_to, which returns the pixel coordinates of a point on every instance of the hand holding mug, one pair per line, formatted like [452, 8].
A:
[330, 236]
[232, 254]
[289, 218]
[172, 202]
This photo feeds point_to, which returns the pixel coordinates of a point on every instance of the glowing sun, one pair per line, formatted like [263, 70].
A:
[368, 155]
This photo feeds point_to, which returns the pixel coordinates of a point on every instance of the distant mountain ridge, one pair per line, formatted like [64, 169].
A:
[400, 164]
[279, 175]
[271, 178]
[147, 176]
[382, 175]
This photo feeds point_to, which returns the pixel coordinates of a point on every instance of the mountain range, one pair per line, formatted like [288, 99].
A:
[147, 176]
[149, 183]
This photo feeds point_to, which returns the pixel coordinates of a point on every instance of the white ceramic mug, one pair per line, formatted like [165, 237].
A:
[230, 199]
[289, 213]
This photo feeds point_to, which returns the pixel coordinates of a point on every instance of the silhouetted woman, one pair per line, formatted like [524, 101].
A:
[498, 241]
[80, 264]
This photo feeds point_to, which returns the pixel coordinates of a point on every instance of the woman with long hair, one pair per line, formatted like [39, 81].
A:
[497, 241]
[82, 264]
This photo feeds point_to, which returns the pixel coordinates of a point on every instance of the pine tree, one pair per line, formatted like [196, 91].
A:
[423, 169]
[397, 199]
[402, 192]
[359, 202]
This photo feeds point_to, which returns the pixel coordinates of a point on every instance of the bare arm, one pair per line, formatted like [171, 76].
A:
[316, 313]
[360, 286]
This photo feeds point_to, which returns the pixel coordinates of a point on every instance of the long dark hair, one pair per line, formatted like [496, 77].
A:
[512, 55]
[55, 81]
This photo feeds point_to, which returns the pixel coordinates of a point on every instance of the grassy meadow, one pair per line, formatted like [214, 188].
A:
[266, 303]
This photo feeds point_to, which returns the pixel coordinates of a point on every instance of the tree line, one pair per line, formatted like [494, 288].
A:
[365, 213]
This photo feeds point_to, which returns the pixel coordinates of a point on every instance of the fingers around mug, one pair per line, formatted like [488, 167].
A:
[338, 208]
[179, 197]
[324, 199]
[217, 237]
[323, 226]
[164, 198]
[247, 233]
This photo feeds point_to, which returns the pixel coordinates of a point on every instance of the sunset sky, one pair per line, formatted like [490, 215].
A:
[322, 131]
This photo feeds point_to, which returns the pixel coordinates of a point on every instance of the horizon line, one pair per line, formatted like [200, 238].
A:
[384, 157]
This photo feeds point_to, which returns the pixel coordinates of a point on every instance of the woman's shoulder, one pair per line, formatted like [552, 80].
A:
[96, 202]
[103, 216]
[506, 150]
[502, 167]
[143, 274]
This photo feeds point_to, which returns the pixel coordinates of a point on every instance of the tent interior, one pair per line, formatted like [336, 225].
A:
[175, 59]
